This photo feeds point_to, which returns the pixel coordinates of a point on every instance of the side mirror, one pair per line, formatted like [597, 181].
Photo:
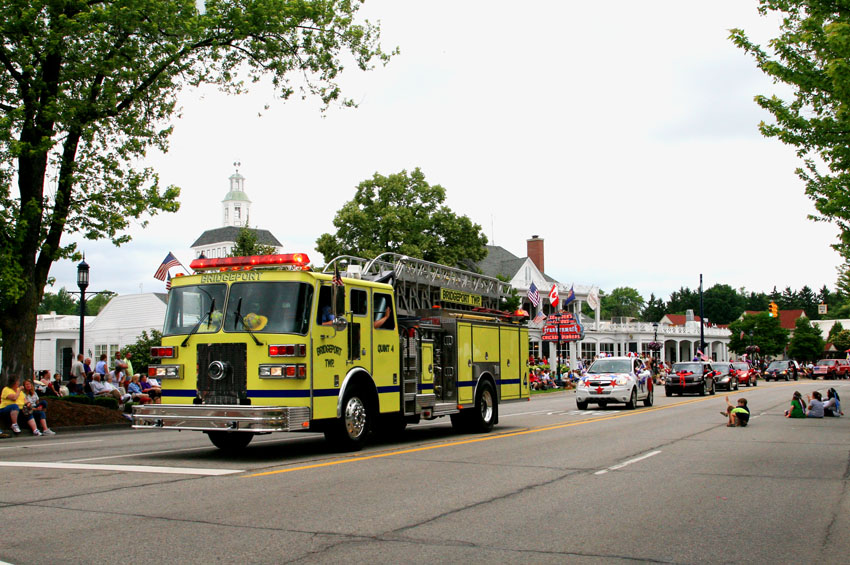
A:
[339, 323]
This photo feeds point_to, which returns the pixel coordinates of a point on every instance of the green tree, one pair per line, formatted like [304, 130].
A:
[623, 301]
[247, 245]
[141, 350]
[88, 87]
[767, 332]
[62, 302]
[756, 302]
[810, 55]
[653, 310]
[841, 341]
[836, 328]
[96, 303]
[682, 300]
[808, 343]
[722, 304]
[402, 213]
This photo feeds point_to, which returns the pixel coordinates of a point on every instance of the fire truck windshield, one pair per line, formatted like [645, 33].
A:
[269, 307]
[187, 305]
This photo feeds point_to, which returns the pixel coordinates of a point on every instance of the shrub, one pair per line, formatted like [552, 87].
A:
[106, 402]
[77, 399]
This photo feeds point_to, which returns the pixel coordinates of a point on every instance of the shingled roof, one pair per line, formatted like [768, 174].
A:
[230, 233]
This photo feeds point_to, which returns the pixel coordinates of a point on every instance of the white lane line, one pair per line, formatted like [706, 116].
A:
[47, 443]
[629, 462]
[125, 468]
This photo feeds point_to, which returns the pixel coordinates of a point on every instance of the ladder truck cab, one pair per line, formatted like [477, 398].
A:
[262, 344]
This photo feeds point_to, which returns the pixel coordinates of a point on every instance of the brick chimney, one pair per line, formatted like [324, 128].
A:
[535, 251]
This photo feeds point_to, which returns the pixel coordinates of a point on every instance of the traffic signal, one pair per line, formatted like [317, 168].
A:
[773, 309]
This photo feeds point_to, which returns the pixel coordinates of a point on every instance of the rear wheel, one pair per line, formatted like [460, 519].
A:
[349, 432]
[483, 417]
[230, 441]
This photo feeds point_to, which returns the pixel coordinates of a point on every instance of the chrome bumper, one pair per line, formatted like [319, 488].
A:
[218, 417]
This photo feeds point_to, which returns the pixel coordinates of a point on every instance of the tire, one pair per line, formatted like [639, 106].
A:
[350, 431]
[231, 442]
[632, 403]
[756, 381]
[786, 377]
[736, 384]
[581, 405]
[650, 397]
[713, 389]
[667, 392]
[704, 390]
[483, 416]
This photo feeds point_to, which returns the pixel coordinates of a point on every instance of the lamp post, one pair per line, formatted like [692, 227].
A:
[655, 334]
[83, 284]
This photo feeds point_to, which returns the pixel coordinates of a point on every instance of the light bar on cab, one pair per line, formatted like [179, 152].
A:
[297, 259]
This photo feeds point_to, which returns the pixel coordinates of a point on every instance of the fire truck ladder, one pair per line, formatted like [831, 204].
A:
[418, 282]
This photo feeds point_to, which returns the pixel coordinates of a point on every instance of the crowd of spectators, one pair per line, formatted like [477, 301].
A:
[25, 404]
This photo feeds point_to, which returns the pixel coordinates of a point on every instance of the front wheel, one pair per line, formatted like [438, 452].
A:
[581, 405]
[755, 382]
[230, 441]
[735, 383]
[667, 392]
[349, 432]
[632, 403]
[704, 390]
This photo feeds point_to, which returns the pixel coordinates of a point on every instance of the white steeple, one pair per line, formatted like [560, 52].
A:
[236, 205]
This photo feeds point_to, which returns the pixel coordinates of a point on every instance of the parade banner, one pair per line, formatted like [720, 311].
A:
[562, 326]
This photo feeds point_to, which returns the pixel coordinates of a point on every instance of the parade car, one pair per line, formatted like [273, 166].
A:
[690, 376]
[615, 380]
[832, 369]
[787, 370]
[723, 376]
[745, 374]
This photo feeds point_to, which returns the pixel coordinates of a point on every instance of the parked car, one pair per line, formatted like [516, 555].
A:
[614, 380]
[745, 374]
[723, 377]
[691, 376]
[787, 369]
[832, 369]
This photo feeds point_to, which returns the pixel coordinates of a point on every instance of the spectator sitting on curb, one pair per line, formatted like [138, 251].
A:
[135, 391]
[100, 388]
[73, 386]
[151, 388]
[37, 407]
[13, 402]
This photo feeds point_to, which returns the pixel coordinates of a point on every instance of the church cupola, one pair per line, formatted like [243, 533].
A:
[236, 205]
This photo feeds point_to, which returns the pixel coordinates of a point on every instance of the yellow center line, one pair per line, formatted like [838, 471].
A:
[491, 437]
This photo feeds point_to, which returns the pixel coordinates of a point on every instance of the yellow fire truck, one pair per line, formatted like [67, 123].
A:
[254, 345]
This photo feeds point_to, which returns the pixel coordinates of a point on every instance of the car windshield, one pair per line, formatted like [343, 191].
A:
[741, 366]
[269, 307]
[610, 366]
[687, 367]
[188, 305]
[777, 365]
[722, 368]
[826, 362]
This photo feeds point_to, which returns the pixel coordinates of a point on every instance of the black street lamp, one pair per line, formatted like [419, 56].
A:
[655, 334]
[83, 284]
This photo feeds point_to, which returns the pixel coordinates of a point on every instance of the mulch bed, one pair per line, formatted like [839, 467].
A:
[61, 414]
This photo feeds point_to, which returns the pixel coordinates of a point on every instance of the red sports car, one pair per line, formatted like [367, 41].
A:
[746, 375]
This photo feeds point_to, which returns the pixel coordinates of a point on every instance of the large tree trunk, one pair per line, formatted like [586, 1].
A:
[17, 325]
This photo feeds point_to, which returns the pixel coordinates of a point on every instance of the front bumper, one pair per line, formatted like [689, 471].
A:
[608, 394]
[221, 417]
[676, 386]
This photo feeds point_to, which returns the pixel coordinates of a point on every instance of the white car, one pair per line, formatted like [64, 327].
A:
[615, 380]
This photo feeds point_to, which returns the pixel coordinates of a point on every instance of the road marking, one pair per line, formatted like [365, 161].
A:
[492, 437]
[629, 462]
[48, 443]
[182, 449]
[124, 468]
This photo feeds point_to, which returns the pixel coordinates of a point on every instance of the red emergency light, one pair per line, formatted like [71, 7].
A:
[164, 352]
[297, 259]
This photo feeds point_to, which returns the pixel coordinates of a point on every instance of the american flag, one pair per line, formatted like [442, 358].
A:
[337, 280]
[538, 319]
[169, 261]
[534, 296]
[168, 282]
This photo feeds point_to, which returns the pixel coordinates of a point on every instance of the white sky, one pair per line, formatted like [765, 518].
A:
[624, 133]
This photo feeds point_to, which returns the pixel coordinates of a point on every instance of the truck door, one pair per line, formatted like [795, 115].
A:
[330, 352]
[385, 343]
[360, 336]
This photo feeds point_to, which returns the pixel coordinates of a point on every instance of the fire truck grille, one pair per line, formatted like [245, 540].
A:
[222, 372]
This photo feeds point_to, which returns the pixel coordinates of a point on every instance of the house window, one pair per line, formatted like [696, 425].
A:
[225, 214]
[588, 351]
[237, 213]
[606, 348]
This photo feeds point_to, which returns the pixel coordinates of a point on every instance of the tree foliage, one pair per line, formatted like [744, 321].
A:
[653, 310]
[810, 55]
[841, 341]
[247, 244]
[807, 344]
[623, 301]
[767, 332]
[402, 213]
[87, 87]
[63, 302]
[141, 350]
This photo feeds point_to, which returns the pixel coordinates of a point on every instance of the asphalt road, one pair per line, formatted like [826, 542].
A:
[668, 484]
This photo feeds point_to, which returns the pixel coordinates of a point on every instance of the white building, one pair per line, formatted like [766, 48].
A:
[120, 323]
[236, 210]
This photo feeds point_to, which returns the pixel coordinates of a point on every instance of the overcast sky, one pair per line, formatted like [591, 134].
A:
[623, 133]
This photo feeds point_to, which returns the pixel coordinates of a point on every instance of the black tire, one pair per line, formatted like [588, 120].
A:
[667, 392]
[230, 442]
[704, 390]
[632, 403]
[483, 417]
[786, 377]
[581, 405]
[713, 389]
[735, 382]
[350, 431]
[650, 397]
[391, 426]
[756, 381]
